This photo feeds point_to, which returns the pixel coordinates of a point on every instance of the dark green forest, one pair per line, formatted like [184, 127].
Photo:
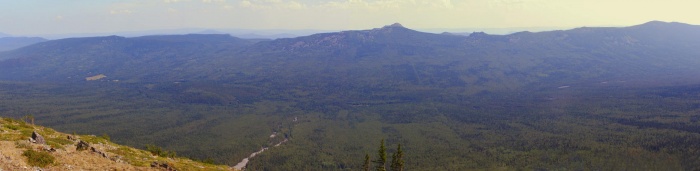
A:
[597, 126]
[583, 99]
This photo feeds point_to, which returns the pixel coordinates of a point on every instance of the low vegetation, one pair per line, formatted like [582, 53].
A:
[38, 158]
[158, 151]
[60, 152]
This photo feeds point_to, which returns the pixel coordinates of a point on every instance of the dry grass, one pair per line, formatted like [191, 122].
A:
[13, 143]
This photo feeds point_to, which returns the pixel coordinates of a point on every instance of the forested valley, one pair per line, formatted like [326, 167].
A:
[583, 99]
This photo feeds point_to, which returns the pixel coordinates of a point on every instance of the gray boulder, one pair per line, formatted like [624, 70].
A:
[82, 145]
[38, 139]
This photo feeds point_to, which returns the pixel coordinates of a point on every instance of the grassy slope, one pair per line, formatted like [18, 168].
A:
[13, 142]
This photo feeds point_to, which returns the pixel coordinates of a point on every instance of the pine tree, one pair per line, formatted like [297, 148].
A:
[381, 160]
[366, 166]
[393, 166]
[397, 160]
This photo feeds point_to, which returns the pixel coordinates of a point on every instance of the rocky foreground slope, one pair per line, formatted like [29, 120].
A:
[24, 146]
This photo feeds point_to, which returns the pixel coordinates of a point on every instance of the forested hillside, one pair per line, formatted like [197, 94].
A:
[11, 43]
[586, 98]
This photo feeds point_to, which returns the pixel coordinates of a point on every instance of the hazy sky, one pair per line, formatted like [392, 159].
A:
[23, 17]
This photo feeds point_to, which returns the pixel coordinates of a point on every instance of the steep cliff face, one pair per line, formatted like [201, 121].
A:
[24, 146]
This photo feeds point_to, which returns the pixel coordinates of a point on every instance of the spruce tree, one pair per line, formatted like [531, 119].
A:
[381, 160]
[397, 160]
[366, 166]
[393, 166]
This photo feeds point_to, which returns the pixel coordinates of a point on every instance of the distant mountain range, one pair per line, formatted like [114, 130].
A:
[395, 54]
[11, 43]
[528, 100]
[272, 33]
[242, 33]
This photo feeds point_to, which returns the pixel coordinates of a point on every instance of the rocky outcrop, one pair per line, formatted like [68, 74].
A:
[103, 154]
[81, 155]
[72, 138]
[82, 145]
[36, 138]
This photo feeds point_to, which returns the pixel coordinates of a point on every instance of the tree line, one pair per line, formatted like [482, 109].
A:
[396, 164]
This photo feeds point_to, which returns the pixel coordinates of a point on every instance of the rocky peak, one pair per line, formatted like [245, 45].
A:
[395, 25]
[390, 28]
[662, 24]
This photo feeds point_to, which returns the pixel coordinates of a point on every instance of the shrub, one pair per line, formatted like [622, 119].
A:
[38, 158]
[93, 139]
[12, 127]
[209, 160]
[155, 150]
[58, 142]
[26, 132]
[23, 144]
[48, 131]
[9, 120]
[25, 125]
[54, 144]
[106, 137]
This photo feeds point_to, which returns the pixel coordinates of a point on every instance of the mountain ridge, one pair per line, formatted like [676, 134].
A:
[390, 44]
[332, 93]
[11, 43]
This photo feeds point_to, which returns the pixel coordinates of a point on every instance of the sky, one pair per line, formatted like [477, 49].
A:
[35, 17]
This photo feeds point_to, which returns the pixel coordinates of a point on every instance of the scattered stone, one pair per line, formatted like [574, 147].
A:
[82, 145]
[38, 139]
[163, 165]
[72, 138]
[48, 148]
[103, 154]
[117, 159]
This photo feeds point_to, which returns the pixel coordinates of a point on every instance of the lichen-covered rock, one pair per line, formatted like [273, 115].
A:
[38, 138]
[82, 145]
[72, 138]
